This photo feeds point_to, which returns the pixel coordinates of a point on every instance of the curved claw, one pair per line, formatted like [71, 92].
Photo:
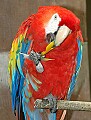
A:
[53, 101]
[39, 67]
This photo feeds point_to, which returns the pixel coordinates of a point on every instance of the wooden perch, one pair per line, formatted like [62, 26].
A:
[64, 105]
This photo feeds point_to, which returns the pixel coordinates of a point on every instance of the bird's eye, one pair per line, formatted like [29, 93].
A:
[55, 17]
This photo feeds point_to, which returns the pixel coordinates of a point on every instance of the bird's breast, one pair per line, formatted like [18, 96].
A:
[57, 73]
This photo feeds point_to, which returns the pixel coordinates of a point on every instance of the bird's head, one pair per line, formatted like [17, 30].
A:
[52, 23]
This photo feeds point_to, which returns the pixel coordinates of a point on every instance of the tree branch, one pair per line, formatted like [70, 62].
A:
[64, 105]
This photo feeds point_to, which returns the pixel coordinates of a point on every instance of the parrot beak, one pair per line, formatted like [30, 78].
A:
[61, 35]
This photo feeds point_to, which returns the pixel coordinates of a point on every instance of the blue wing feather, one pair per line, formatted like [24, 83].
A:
[17, 75]
[78, 65]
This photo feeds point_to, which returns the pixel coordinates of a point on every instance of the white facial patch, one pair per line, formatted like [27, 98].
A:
[52, 25]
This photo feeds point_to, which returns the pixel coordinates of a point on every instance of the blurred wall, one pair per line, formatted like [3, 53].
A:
[88, 13]
[13, 12]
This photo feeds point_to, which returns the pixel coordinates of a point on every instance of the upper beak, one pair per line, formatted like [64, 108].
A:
[61, 35]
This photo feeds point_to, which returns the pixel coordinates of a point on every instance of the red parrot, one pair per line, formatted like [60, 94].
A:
[45, 59]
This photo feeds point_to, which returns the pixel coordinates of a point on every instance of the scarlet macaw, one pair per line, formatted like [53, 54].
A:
[45, 59]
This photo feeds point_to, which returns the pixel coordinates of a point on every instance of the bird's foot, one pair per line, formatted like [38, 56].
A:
[52, 101]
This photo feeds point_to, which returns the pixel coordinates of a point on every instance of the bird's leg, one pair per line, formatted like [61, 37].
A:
[36, 58]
